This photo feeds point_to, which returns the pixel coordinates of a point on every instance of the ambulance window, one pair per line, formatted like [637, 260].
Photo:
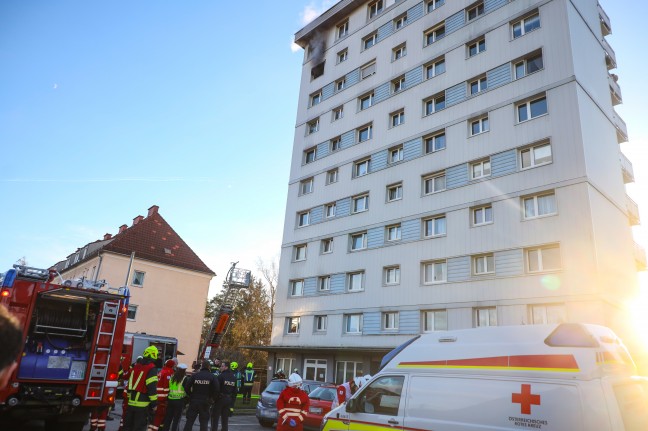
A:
[382, 396]
[632, 399]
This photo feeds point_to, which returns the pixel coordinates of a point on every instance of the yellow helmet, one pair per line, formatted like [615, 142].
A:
[234, 366]
[150, 352]
[250, 365]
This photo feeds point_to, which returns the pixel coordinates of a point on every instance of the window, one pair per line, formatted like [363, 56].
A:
[546, 258]
[398, 118]
[525, 25]
[531, 109]
[435, 68]
[486, 316]
[315, 98]
[392, 274]
[342, 29]
[317, 71]
[306, 186]
[434, 183]
[284, 364]
[332, 176]
[434, 104]
[309, 155]
[312, 126]
[320, 323]
[398, 84]
[476, 47]
[329, 210]
[528, 65]
[542, 314]
[338, 113]
[361, 168]
[400, 22]
[303, 219]
[340, 84]
[369, 41]
[478, 85]
[535, 156]
[434, 143]
[335, 144]
[539, 205]
[382, 397]
[475, 11]
[435, 226]
[482, 215]
[368, 70]
[345, 371]
[342, 55]
[292, 325]
[358, 241]
[364, 133]
[375, 8]
[355, 281]
[478, 126]
[352, 323]
[327, 245]
[434, 320]
[394, 192]
[360, 203]
[399, 52]
[480, 169]
[366, 101]
[138, 278]
[431, 5]
[300, 252]
[396, 154]
[324, 283]
[390, 321]
[434, 34]
[132, 312]
[483, 264]
[435, 272]
[297, 288]
[393, 232]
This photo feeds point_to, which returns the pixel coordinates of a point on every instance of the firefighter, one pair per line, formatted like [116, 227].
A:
[124, 394]
[176, 399]
[142, 391]
[162, 393]
[249, 375]
[224, 401]
[238, 376]
[201, 387]
[292, 405]
[98, 417]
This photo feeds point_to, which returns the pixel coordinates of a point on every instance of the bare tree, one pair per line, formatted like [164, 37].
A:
[270, 273]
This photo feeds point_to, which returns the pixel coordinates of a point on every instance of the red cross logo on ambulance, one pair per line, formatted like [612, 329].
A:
[526, 399]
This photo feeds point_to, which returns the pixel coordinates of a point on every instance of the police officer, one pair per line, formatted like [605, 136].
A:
[200, 388]
[227, 383]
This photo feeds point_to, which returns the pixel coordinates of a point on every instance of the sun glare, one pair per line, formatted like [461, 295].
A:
[639, 310]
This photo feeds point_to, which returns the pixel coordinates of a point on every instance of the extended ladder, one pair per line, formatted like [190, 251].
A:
[102, 351]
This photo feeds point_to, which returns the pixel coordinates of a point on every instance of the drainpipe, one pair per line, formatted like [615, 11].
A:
[98, 267]
[130, 264]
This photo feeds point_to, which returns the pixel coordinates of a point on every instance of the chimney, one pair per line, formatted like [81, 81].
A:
[153, 210]
[137, 219]
[122, 228]
[107, 236]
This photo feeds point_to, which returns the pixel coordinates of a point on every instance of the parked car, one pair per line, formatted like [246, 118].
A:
[321, 399]
[266, 411]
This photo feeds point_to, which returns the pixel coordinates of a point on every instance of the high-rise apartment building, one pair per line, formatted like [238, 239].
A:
[455, 165]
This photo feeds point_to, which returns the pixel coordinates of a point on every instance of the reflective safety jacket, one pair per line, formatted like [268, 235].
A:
[248, 377]
[176, 390]
[142, 384]
[292, 406]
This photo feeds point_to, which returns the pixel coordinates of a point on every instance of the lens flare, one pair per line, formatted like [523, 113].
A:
[550, 282]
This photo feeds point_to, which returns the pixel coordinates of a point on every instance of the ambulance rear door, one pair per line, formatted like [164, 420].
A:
[378, 406]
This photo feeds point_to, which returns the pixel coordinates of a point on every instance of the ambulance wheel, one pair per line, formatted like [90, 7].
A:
[266, 424]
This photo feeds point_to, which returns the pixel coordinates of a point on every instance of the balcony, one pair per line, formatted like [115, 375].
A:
[621, 128]
[633, 211]
[615, 90]
[626, 169]
[610, 55]
[606, 27]
[640, 257]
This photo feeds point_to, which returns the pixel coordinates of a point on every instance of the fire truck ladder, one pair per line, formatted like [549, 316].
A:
[103, 348]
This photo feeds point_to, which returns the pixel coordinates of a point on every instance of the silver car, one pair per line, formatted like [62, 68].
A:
[266, 411]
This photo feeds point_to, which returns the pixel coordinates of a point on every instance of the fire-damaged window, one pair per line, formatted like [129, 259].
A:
[138, 278]
[317, 71]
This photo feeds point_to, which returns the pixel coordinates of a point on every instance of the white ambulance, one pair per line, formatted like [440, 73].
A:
[567, 377]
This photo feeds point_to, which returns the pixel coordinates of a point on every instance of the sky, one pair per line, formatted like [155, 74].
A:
[110, 107]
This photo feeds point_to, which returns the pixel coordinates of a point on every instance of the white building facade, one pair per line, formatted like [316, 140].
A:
[455, 164]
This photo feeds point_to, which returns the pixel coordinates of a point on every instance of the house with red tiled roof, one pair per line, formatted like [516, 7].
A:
[168, 282]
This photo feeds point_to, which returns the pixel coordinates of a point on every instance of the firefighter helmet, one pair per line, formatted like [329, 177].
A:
[150, 352]
[250, 365]
[234, 366]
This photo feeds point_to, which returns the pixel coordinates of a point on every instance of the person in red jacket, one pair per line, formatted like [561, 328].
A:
[292, 405]
[345, 390]
[162, 394]
[142, 391]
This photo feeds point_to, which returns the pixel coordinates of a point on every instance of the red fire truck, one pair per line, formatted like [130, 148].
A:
[72, 344]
